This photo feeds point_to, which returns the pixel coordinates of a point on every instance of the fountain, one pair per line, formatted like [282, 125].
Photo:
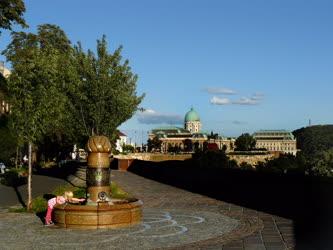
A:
[100, 210]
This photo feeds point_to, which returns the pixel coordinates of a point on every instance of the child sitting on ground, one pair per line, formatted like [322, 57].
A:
[67, 197]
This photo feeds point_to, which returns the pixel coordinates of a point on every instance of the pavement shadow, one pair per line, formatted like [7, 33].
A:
[66, 169]
[19, 196]
[306, 200]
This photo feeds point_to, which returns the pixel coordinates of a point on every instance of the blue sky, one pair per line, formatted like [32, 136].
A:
[243, 65]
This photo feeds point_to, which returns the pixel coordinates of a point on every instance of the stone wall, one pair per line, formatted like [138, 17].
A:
[155, 157]
[251, 159]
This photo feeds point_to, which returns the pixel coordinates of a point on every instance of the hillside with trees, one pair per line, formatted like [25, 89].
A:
[314, 139]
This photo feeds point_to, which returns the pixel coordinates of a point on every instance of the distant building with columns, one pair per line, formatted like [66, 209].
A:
[172, 136]
[276, 141]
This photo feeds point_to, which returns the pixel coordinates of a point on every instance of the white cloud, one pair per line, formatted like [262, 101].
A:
[150, 116]
[246, 101]
[253, 100]
[220, 91]
[236, 122]
[220, 101]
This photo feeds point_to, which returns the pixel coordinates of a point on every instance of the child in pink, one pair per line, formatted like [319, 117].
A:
[67, 197]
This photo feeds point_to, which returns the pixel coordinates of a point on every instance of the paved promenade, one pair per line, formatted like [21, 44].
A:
[173, 219]
[266, 231]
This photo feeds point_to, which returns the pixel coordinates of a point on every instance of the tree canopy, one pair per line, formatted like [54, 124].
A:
[11, 12]
[245, 142]
[311, 140]
[104, 93]
[34, 87]
[59, 89]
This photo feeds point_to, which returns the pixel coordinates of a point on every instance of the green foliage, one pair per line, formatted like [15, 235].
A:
[322, 163]
[213, 136]
[7, 143]
[316, 145]
[117, 192]
[13, 179]
[80, 192]
[39, 204]
[211, 159]
[154, 144]
[104, 93]
[245, 142]
[285, 163]
[38, 105]
[128, 149]
[11, 12]
[314, 139]
[246, 166]
[17, 209]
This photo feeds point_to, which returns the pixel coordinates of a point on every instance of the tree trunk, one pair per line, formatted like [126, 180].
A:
[29, 177]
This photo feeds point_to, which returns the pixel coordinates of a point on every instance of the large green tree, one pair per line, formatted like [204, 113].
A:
[314, 139]
[104, 95]
[245, 142]
[154, 144]
[37, 104]
[11, 12]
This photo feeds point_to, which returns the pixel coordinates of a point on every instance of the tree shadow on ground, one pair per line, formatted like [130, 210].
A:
[19, 196]
[306, 200]
[69, 168]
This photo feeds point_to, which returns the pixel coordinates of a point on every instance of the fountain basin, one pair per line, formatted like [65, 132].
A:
[102, 215]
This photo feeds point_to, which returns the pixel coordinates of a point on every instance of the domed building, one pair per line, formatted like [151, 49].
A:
[192, 121]
[190, 136]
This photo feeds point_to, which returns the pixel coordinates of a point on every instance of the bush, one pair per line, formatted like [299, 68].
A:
[246, 166]
[211, 159]
[13, 179]
[39, 205]
[80, 192]
[7, 143]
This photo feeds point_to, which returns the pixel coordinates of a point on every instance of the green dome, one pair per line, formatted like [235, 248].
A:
[192, 116]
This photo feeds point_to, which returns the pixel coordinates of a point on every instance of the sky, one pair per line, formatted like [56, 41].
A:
[243, 65]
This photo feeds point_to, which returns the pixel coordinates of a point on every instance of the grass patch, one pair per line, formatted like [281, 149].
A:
[17, 210]
[117, 192]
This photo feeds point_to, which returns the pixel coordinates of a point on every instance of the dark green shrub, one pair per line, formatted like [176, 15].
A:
[7, 142]
[39, 204]
[80, 192]
[246, 166]
[13, 179]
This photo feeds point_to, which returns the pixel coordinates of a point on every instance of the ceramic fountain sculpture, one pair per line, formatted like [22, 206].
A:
[100, 211]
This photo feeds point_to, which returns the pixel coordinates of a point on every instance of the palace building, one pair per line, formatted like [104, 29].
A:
[276, 141]
[172, 136]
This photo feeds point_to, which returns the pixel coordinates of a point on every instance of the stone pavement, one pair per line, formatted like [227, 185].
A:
[274, 233]
[173, 219]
